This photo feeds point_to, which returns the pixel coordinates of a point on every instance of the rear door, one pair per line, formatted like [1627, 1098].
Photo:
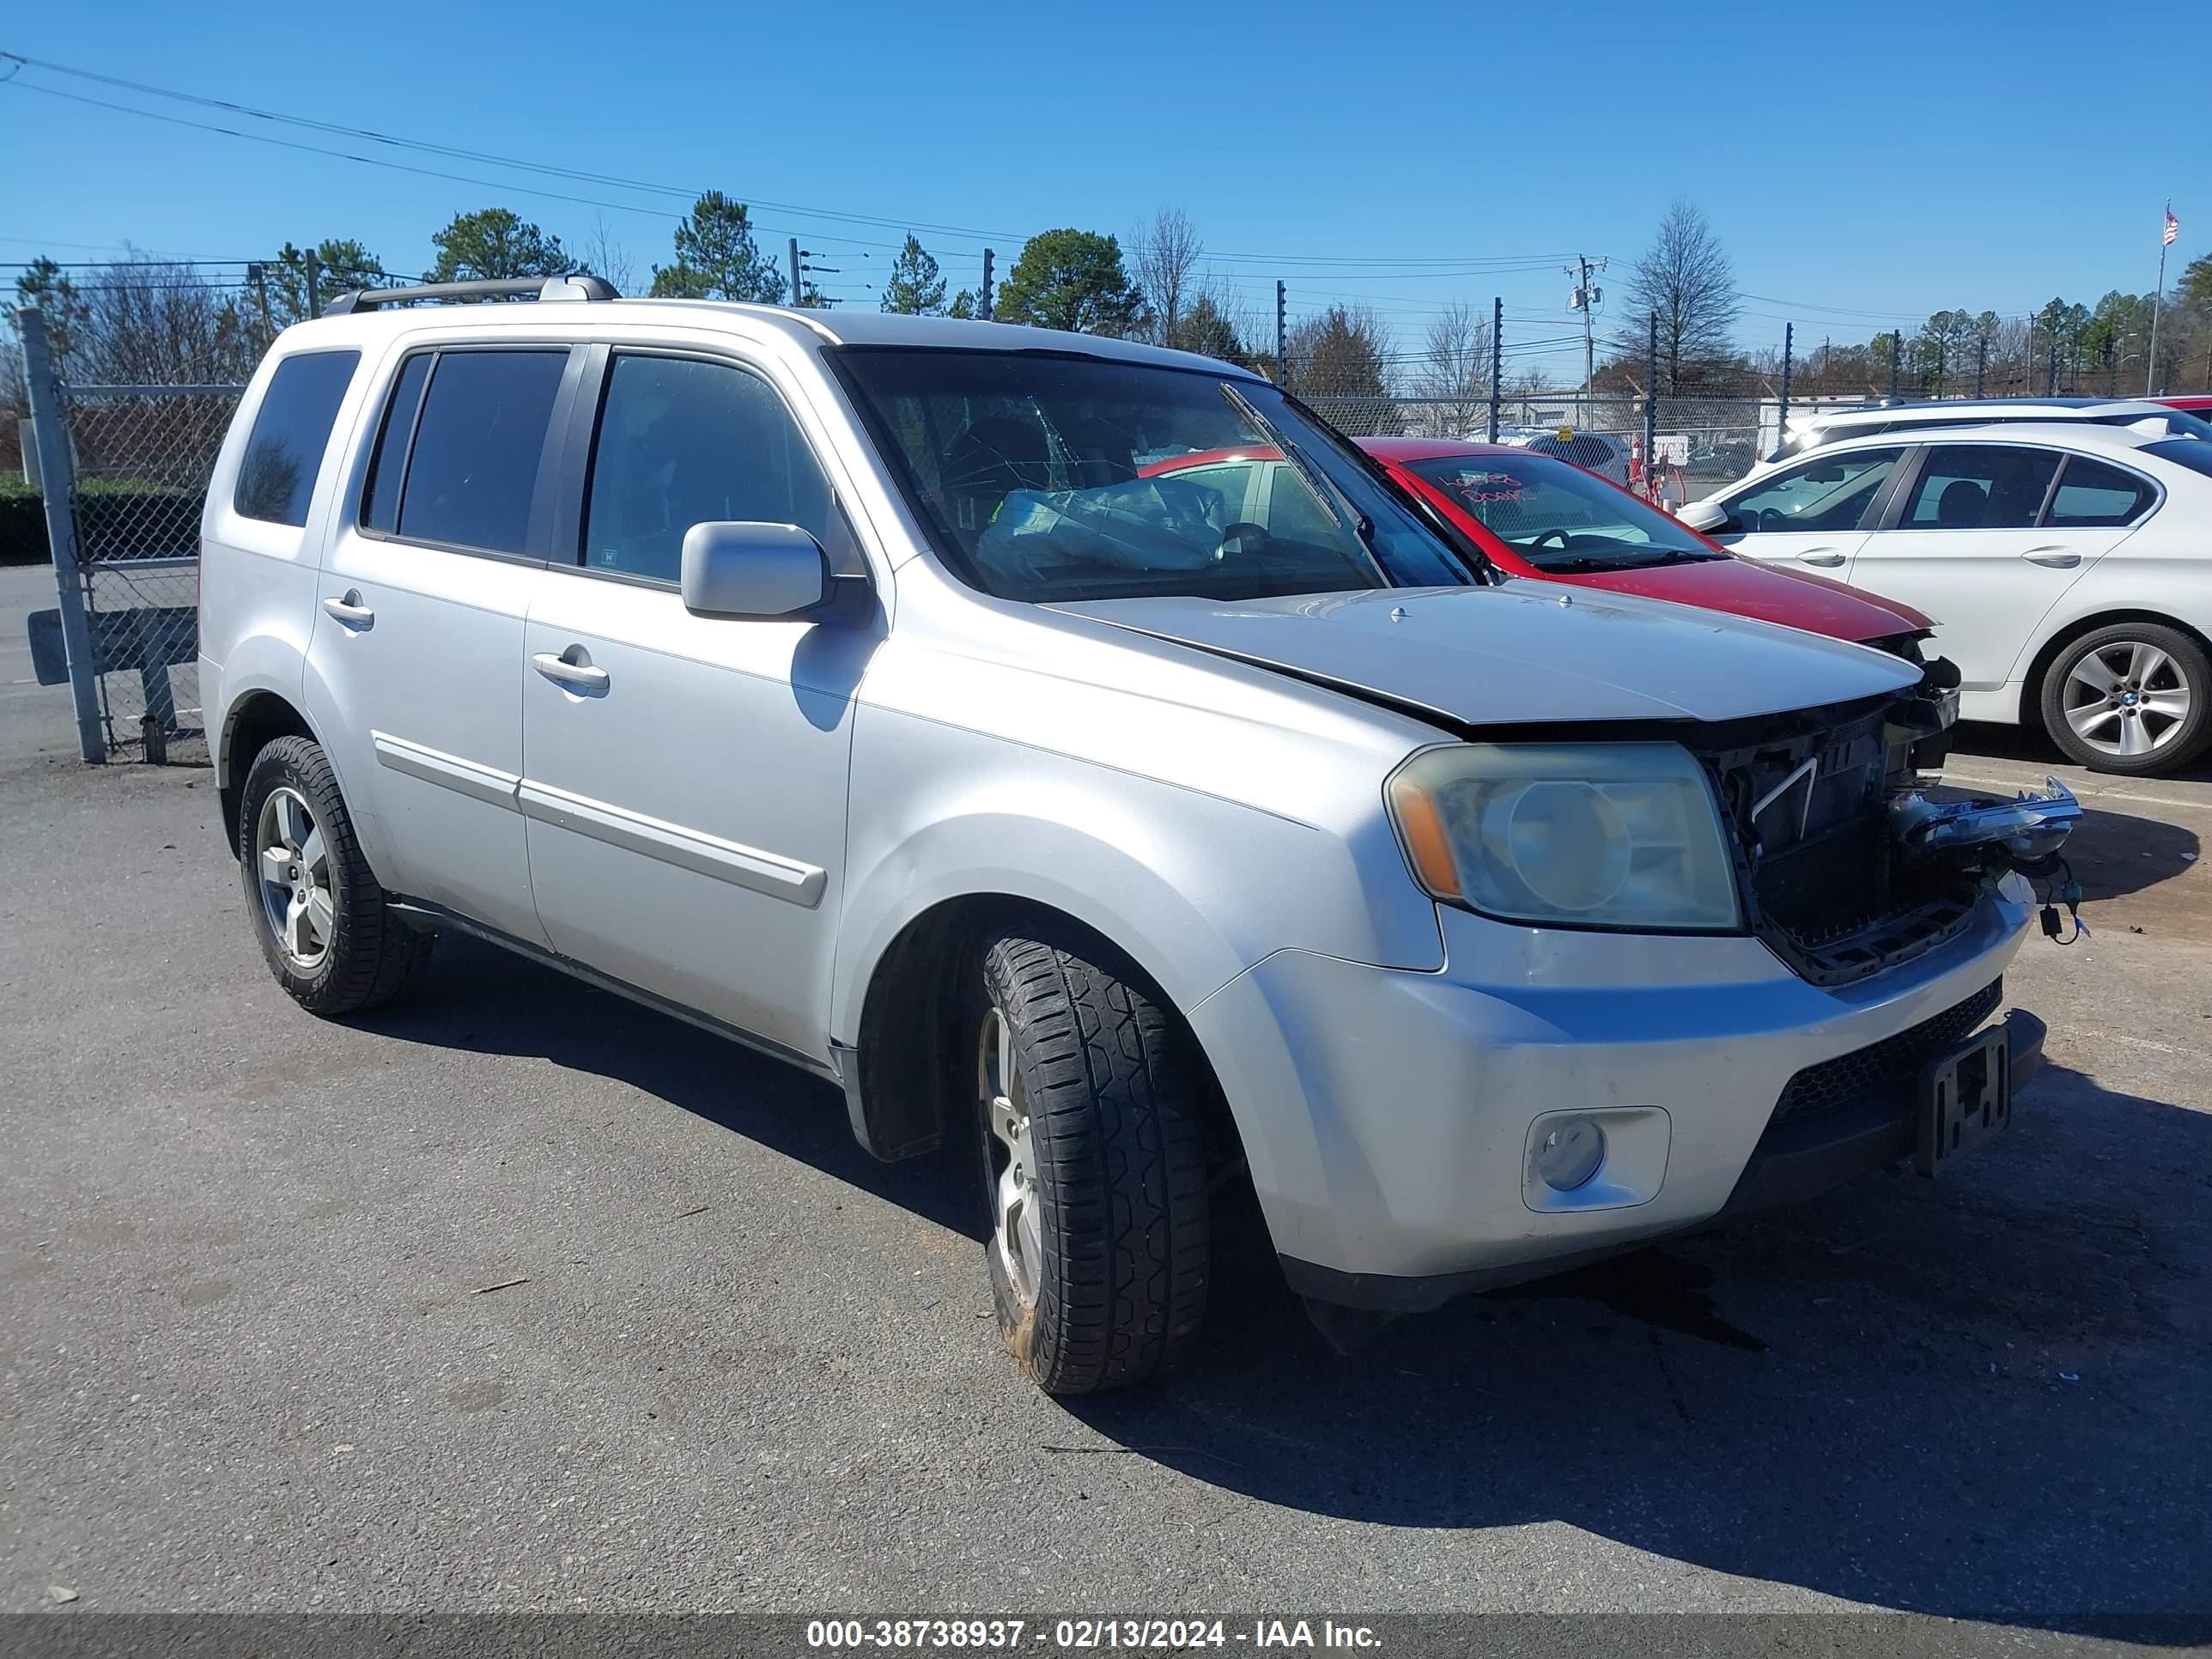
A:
[1814, 515]
[416, 655]
[1985, 538]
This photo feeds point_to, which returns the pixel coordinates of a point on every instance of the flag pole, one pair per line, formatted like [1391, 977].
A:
[2158, 301]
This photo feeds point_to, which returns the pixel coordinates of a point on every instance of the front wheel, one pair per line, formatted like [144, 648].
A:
[2132, 698]
[1087, 1094]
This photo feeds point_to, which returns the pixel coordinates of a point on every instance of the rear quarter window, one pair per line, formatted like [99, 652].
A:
[291, 430]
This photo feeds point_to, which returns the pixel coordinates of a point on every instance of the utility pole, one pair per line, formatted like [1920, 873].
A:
[1585, 300]
[794, 270]
[983, 304]
[1896, 354]
[257, 274]
[1782, 425]
[314, 284]
[1496, 360]
[1282, 335]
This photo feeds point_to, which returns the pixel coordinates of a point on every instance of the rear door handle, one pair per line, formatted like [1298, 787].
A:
[2054, 558]
[1826, 557]
[349, 610]
[576, 675]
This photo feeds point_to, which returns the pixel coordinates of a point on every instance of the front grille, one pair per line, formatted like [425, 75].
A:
[1886, 1070]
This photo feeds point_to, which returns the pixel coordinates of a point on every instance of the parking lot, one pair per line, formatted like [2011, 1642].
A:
[520, 1297]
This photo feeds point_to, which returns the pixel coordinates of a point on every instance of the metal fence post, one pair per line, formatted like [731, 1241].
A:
[1896, 354]
[1651, 407]
[1981, 362]
[1496, 359]
[57, 485]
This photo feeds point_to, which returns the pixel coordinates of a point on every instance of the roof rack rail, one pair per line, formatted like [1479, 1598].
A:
[577, 286]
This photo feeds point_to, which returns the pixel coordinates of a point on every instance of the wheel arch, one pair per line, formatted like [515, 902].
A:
[2030, 687]
[909, 1063]
[251, 723]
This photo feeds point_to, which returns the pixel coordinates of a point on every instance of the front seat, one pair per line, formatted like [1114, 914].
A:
[1959, 506]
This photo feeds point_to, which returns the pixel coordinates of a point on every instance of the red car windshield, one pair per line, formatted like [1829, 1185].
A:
[1558, 517]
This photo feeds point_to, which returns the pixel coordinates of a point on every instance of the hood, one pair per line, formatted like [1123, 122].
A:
[1795, 598]
[1524, 653]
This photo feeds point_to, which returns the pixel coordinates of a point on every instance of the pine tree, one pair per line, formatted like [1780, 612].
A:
[916, 288]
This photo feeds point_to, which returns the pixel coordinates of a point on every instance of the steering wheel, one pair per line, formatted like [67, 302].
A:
[1773, 519]
[1552, 534]
[1240, 539]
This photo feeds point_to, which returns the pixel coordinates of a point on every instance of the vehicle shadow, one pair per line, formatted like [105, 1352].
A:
[1983, 1398]
[2032, 745]
[481, 997]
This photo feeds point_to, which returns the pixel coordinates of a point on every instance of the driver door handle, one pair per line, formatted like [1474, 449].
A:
[1826, 557]
[576, 675]
[2053, 558]
[349, 610]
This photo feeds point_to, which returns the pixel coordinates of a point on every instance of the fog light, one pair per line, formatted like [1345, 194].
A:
[1569, 1153]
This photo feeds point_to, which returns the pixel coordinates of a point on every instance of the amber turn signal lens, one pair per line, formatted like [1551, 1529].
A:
[1428, 844]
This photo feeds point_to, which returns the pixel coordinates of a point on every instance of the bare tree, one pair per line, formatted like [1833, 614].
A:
[153, 322]
[602, 256]
[1686, 280]
[1455, 368]
[1167, 255]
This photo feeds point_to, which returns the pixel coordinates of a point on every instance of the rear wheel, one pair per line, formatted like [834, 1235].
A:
[325, 929]
[2134, 697]
[1088, 1096]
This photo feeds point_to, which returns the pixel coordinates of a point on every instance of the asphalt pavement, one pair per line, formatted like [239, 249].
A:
[520, 1298]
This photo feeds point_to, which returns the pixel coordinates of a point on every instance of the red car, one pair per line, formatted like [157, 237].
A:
[2198, 404]
[1537, 516]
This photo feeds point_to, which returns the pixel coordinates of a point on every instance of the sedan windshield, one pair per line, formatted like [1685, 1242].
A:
[1558, 517]
[1041, 476]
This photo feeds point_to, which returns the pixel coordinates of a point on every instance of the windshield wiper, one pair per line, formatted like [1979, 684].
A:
[1587, 561]
[1333, 501]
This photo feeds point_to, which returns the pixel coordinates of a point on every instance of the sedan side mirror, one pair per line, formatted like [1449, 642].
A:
[737, 568]
[1706, 516]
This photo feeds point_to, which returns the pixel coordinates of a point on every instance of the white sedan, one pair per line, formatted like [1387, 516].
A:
[2068, 568]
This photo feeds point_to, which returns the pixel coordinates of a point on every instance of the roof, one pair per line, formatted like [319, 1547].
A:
[2080, 434]
[1952, 409]
[808, 326]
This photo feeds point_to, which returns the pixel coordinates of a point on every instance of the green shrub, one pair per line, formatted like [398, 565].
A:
[114, 520]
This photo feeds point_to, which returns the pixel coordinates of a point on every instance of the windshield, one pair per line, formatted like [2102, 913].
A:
[1558, 517]
[1041, 476]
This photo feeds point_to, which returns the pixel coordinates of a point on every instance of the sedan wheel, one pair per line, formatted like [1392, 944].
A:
[2129, 698]
[1017, 1228]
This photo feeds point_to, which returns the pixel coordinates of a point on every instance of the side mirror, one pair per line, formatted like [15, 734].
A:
[734, 568]
[1706, 516]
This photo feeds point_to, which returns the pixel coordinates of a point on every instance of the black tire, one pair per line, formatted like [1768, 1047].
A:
[371, 956]
[1111, 1086]
[2178, 742]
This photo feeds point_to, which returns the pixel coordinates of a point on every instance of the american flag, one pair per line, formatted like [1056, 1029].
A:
[2173, 226]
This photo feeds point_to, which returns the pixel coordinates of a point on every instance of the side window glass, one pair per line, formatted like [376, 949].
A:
[1293, 514]
[683, 442]
[2093, 496]
[388, 466]
[473, 469]
[1980, 487]
[1829, 493]
[291, 430]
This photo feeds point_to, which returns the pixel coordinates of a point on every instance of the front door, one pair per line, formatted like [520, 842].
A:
[684, 781]
[416, 661]
[1811, 516]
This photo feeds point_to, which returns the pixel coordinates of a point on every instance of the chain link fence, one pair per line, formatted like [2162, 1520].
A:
[125, 470]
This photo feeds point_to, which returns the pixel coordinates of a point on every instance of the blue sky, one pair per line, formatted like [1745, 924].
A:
[1863, 164]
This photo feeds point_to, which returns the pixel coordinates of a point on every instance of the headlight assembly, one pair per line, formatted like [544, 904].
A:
[1605, 835]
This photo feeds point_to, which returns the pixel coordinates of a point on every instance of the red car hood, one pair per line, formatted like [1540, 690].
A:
[1795, 598]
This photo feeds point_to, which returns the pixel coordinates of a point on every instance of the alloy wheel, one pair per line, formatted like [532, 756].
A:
[293, 862]
[1011, 1171]
[2127, 698]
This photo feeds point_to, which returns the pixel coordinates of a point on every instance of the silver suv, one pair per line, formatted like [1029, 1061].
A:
[877, 691]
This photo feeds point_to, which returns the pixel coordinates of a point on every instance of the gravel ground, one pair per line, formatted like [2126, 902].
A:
[252, 1357]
